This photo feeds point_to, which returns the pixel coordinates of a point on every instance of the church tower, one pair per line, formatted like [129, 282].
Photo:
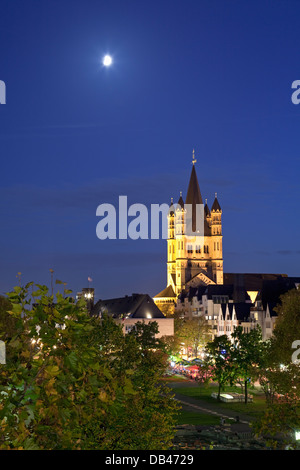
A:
[193, 257]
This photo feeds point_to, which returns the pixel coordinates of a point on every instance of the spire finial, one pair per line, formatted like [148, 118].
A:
[205, 201]
[180, 193]
[216, 195]
[194, 159]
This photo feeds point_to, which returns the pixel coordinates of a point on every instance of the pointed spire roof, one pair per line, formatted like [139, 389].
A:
[180, 201]
[193, 195]
[171, 207]
[216, 206]
[206, 209]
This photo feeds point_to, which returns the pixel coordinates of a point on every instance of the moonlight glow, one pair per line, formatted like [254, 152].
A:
[107, 61]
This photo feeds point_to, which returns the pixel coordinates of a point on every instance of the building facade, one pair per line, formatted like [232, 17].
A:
[249, 300]
[132, 309]
[194, 244]
[196, 283]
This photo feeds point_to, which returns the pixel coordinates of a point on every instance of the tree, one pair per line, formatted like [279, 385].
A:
[76, 382]
[247, 354]
[7, 322]
[219, 361]
[287, 327]
[281, 373]
[167, 309]
[145, 419]
[172, 346]
[193, 333]
[267, 372]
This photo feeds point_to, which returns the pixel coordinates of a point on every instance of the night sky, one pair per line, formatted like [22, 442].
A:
[214, 76]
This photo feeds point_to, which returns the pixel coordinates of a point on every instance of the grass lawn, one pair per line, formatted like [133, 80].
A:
[253, 409]
[192, 417]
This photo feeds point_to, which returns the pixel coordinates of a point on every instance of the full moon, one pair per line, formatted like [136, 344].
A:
[107, 60]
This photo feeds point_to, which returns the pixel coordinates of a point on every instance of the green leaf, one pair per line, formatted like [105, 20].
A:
[15, 343]
[52, 370]
[107, 374]
[128, 388]
[17, 308]
[68, 291]
[30, 415]
[72, 361]
[30, 444]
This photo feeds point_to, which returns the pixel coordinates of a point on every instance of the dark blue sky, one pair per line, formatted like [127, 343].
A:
[211, 75]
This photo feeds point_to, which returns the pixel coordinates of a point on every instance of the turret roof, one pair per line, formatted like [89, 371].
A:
[181, 201]
[206, 209]
[216, 206]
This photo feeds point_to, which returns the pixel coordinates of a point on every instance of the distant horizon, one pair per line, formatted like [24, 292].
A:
[217, 78]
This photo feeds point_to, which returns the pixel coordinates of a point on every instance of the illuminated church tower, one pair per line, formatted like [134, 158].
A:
[193, 259]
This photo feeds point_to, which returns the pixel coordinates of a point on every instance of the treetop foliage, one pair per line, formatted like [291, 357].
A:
[73, 381]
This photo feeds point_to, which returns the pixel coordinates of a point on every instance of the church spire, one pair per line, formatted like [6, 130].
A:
[193, 196]
[193, 193]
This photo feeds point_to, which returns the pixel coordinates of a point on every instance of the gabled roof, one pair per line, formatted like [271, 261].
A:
[197, 279]
[167, 292]
[134, 306]
[242, 310]
[226, 308]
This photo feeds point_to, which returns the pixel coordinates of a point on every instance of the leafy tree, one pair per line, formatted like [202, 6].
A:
[219, 361]
[168, 309]
[193, 333]
[76, 382]
[172, 345]
[267, 372]
[279, 422]
[145, 334]
[7, 322]
[247, 354]
[281, 374]
[146, 418]
[287, 327]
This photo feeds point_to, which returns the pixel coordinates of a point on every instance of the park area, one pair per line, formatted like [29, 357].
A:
[206, 423]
